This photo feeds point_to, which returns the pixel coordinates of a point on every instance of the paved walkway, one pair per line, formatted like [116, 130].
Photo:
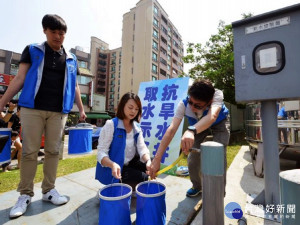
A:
[240, 183]
[83, 206]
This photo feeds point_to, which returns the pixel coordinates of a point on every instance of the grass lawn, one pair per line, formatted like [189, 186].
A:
[10, 180]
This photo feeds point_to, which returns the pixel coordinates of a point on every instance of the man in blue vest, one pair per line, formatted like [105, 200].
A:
[47, 77]
[207, 115]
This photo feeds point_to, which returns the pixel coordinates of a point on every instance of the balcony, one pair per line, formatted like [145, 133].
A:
[101, 77]
[102, 56]
[164, 19]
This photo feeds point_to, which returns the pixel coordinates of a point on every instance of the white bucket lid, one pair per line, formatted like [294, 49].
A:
[80, 128]
[150, 195]
[5, 129]
[118, 197]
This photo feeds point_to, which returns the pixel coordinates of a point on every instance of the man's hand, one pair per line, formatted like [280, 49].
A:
[82, 116]
[154, 168]
[187, 141]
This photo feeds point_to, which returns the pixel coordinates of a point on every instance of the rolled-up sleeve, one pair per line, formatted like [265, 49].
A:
[142, 147]
[180, 110]
[218, 98]
[105, 139]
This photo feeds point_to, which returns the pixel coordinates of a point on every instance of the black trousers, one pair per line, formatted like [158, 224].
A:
[134, 172]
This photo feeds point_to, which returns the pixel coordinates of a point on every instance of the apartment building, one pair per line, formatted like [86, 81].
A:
[152, 47]
[114, 79]
[106, 65]
[85, 77]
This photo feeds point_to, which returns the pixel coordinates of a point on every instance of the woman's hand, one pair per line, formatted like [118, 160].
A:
[116, 171]
[148, 164]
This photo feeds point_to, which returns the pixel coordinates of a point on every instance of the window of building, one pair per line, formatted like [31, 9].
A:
[113, 68]
[155, 22]
[174, 61]
[101, 62]
[154, 78]
[113, 75]
[163, 61]
[169, 48]
[164, 40]
[174, 71]
[103, 56]
[84, 80]
[111, 96]
[169, 57]
[14, 68]
[163, 72]
[154, 45]
[154, 57]
[85, 99]
[164, 29]
[82, 64]
[175, 53]
[154, 68]
[155, 33]
[168, 67]
[163, 51]
[113, 54]
[155, 10]
[164, 19]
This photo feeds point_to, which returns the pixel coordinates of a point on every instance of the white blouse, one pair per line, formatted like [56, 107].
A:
[106, 137]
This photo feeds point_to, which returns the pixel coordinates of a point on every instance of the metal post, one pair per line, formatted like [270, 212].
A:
[270, 195]
[289, 192]
[212, 165]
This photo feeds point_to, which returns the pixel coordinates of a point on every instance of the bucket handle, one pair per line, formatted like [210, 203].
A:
[111, 183]
[155, 181]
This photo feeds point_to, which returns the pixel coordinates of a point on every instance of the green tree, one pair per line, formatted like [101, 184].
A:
[214, 61]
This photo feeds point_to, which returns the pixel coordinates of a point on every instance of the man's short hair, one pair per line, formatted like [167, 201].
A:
[202, 90]
[54, 22]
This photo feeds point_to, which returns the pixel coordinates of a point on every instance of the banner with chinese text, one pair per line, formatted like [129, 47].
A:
[159, 100]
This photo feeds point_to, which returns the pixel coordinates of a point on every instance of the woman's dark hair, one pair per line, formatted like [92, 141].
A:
[54, 22]
[122, 103]
[202, 90]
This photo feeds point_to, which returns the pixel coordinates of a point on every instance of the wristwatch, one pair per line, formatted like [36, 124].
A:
[192, 128]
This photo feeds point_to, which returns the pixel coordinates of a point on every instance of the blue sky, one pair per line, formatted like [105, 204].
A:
[195, 20]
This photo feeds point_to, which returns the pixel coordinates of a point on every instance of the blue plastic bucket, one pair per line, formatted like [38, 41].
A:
[115, 204]
[5, 154]
[80, 140]
[150, 203]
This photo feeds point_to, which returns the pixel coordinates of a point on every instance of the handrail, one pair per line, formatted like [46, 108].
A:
[281, 123]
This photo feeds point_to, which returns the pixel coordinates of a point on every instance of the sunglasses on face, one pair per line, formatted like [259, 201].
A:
[196, 106]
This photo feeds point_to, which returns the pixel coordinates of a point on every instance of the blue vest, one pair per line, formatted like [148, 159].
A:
[116, 151]
[193, 119]
[34, 77]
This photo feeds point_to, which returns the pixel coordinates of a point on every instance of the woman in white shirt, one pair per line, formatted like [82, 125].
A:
[122, 153]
